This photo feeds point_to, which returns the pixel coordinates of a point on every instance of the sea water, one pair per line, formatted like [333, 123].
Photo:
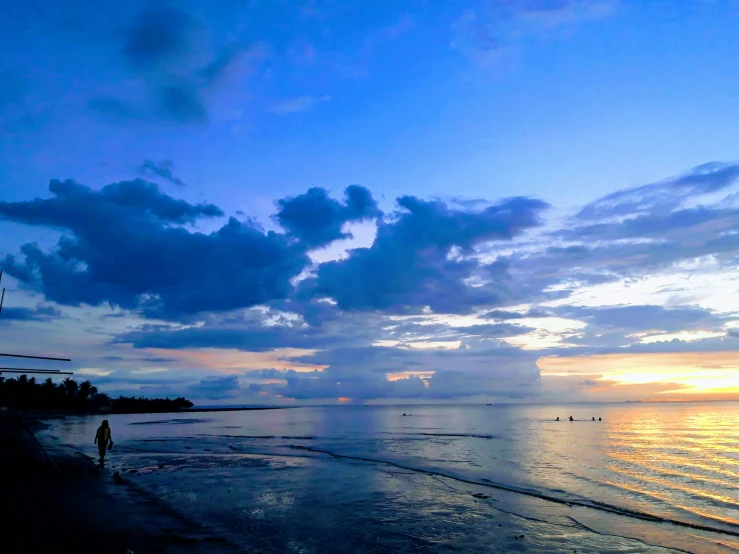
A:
[455, 478]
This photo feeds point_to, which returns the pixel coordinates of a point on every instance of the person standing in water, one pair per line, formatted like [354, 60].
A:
[103, 440]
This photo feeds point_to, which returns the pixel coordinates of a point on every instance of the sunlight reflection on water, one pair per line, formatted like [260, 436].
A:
[674, 461]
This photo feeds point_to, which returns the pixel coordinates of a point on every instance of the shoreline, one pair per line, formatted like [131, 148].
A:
[80, 508]
[38, 415]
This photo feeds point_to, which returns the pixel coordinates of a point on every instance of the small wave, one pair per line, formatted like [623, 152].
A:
[267, 437]
[170, 421]
[593, 504]
[457, 435]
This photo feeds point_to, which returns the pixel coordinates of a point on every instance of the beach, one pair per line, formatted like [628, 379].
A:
[440, 479]
[72, 506]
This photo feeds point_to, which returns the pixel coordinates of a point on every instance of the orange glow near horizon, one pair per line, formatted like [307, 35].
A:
[230, 360]
[689, 375]
[406, 374]
[344, 399]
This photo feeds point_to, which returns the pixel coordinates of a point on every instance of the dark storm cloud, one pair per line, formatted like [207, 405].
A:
[163, 169]
[316, 219]
[409, 267]
[123, 246]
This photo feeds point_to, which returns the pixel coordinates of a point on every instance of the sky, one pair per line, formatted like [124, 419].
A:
[323, 201]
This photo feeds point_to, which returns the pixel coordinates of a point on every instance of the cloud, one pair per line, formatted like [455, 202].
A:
[163, 169]
[484, 34]
[661, 197]
[506, 315]
[360, 373]
[216, 388]
[252, 339]
[409, 267]
[496, 330]
[317, 220]
[180, 101]
[644, 318]
[635, 232]
[158, 36]
[433, 309]
[299, 104]
[125, 245]
[165, 47]
[40, 312]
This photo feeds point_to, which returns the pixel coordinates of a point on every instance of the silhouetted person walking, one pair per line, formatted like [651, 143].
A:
[103, 440]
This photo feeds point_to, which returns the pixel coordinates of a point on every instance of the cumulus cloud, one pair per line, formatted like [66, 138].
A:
[315, 219]
[409, 266]
[130, 245]
[432, 309]
[126, 245]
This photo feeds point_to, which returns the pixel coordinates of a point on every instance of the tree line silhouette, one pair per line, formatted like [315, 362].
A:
[28, 394]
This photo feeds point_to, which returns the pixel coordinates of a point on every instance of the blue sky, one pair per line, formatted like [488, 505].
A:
[535, 188]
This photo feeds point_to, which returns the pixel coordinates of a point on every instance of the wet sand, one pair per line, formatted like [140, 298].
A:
[84, 510]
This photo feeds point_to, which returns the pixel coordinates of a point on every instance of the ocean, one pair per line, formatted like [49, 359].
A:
[457, 478]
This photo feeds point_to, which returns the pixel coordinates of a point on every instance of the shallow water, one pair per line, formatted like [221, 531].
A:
[355, 478]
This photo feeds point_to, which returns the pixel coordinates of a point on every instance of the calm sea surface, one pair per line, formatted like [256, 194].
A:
[648, 478]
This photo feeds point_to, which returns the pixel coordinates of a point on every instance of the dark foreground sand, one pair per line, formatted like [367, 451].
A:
[85, 510]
